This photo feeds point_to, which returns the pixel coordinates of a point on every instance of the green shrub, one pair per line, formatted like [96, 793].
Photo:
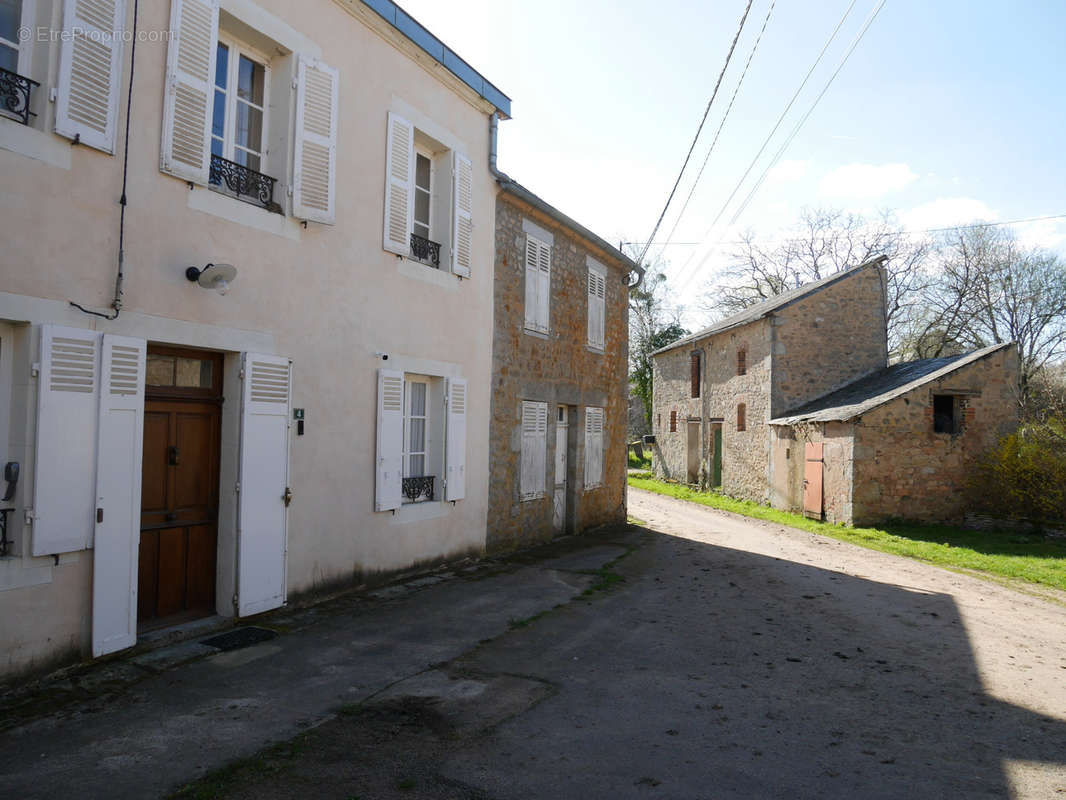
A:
[639, 463]
[1024, 476]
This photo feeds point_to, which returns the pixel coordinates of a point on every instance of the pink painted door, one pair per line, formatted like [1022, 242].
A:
[812, 480]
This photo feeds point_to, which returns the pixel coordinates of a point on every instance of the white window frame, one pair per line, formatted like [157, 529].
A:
[237, 48]
[427, 154]
[24, 49]
[407, 417]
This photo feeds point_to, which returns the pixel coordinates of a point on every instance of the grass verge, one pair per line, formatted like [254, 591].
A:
[1026, 557]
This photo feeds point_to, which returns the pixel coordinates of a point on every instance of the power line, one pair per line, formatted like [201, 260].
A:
[725, 116]
[800, 124]
[777, 124]
[692, 147]
[795, 130]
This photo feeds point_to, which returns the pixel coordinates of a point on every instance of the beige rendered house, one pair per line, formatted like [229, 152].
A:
[287, 388]
[792, 403]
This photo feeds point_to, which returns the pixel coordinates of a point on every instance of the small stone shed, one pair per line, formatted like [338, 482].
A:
[901, 442]
[792, 402]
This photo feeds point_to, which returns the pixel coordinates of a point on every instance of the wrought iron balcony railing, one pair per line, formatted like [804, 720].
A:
[418, 489]
[15, 95]
[244, 182]
[425, 251]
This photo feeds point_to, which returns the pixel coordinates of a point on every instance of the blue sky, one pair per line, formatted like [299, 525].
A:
[946, 112]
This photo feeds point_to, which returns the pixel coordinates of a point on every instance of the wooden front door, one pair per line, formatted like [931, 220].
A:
[812, 480]
[179, 487]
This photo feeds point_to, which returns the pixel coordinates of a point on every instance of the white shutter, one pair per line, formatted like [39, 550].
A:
[593, 447]
[463, 214]
[64, 486]
[544, 283]
[262, 516]
[399, 185]
[315, 154]
[455, 447]
[189, 91]
[533, 466]
[388, 482]
[118, 494]
[90, 68]
[532, 283]
[538, 284]
[597, 285]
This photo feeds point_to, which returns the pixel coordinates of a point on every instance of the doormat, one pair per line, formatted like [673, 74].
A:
[241, 637]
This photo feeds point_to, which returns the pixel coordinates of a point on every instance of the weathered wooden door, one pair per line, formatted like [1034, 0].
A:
[812, 480]
[693, 460]
[716, 457]
[179, 487]
[559, 499]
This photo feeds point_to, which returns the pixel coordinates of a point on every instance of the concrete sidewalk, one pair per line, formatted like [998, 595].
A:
[142, 726]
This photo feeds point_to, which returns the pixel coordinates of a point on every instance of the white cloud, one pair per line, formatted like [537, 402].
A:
[947, 211]
[1047, 233]
[867, 180]
[788, 171]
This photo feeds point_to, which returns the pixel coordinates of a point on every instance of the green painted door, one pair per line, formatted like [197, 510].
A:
[717, 474]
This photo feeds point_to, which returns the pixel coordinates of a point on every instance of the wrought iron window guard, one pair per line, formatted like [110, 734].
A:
[15, 95]
[5, 543]
[425, 250]
[244, 182]
[418, 489]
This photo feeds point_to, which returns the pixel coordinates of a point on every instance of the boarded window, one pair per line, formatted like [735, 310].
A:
[673, 421]
[742, 362]
[945, 419]
[694, 365]
[742, 422]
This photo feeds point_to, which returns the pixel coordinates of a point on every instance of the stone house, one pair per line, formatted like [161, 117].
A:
[792, 403]
[559, 374]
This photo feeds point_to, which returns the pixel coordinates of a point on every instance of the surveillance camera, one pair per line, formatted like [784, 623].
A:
[382, 356]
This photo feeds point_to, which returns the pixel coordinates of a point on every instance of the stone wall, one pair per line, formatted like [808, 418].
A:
[558, 369]
[745, 454]
[904, 469]
[788, 445]
[828, 339]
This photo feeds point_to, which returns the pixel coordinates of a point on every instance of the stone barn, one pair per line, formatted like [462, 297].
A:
[792, 403]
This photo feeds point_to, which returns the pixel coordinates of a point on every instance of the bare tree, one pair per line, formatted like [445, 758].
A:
[991, 289]
[826, 241]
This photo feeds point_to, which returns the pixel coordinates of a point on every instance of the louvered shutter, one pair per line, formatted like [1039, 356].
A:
[90, 69]
[597, 285]
[538, 284]
[593, 447]
[64, 486]
[463, 214]
[388, 482]
[455, 447]
[399, 185]
[534, 449]
[189, 90]
[118, 494]
[315, 153]
[262, 516]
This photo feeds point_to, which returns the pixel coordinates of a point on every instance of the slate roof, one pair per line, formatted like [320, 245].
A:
[764, 308]
[880, 387]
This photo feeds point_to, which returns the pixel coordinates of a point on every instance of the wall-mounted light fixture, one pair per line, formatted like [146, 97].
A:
[213, 276]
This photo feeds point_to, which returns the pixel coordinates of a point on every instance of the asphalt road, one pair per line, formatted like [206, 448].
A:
[723, 658]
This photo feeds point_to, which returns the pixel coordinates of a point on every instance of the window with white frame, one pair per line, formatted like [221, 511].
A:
[597, 289]
[538, 284]
[593, 447]
[218, 95]
[239, 111]
[11, 44]
[533, 467]
[421, 439]
[428, 199]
